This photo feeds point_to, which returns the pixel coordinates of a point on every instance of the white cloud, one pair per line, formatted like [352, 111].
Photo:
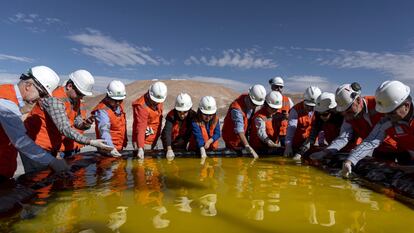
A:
[244, 59]
[34, 22]
[112, 52]
[15, 58]
[395, 65]
[298, 84]
[398, 66]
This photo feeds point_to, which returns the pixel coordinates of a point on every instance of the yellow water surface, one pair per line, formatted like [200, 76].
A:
[222, 195]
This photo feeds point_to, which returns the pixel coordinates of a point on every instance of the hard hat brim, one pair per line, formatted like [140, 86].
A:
[275, 106]
[183, 109]
[117, 97]
[321, 109]
[86, 93]
[157, 100]
[381, 109]
[343, 108]
[208, 112]
[311, 104]
[259, 103]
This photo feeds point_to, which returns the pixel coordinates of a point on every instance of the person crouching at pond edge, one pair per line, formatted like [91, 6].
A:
[205, 127]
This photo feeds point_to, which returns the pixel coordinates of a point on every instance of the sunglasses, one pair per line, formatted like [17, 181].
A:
[42, 92]
[277, 87]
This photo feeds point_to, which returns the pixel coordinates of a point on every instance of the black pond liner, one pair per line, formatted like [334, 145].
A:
[383, 177]
[395, 182]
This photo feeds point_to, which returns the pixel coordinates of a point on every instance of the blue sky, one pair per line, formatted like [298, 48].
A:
[324, 43]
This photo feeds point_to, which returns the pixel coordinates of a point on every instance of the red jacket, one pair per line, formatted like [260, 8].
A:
[272, 133]
[146, 117]
[283, 123]
[304, 125]
[403, 134]
[231, 139]
[362, 127]
[43, 130]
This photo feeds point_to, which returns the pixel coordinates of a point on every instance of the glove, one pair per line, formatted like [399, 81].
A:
[59, 165]
[141, 153]
[149, 131]
[208, 143]
[203, 152]
[318, 155]
[251, 151]
[99, 143]
[115, 153]
[170, 155]
[346, 169]
[271, 143]
[288, 151]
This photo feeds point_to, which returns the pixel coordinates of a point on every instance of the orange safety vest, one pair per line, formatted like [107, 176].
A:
[41, 128]
[304, 125]
[272, 133]
[403, 134]
[154, 120]
[362, 128]
[231, 139]
[8, 153]
[283, 123]
[200, 123]
[179, 128]
[117, 129]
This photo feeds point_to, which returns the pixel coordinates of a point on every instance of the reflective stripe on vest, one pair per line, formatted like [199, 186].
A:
[117, 129]
[403, 134]
[231, 139]
[153, 121]
[285, 108]
[303, 127]
[362, 127]
[206, 135]
[271, 132]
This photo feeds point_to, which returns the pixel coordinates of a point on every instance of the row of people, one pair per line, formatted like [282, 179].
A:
[255, 121]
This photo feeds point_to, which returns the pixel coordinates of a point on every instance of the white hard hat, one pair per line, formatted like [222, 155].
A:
[116, 90]
[158, 92]
[45, 76]
[274, 99]
[345, 95]
[389, 95]
[310, 95]
[208, 105]
[257, 94]
[183, 102]
[325, 101]
[83, 81]
[277, 81]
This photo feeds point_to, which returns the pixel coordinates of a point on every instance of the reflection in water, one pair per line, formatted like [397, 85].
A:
[158, 194]
[208, 205]
[313, 216]
[257, 212]
[117, 219]
[184, 204]
[157, 220]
